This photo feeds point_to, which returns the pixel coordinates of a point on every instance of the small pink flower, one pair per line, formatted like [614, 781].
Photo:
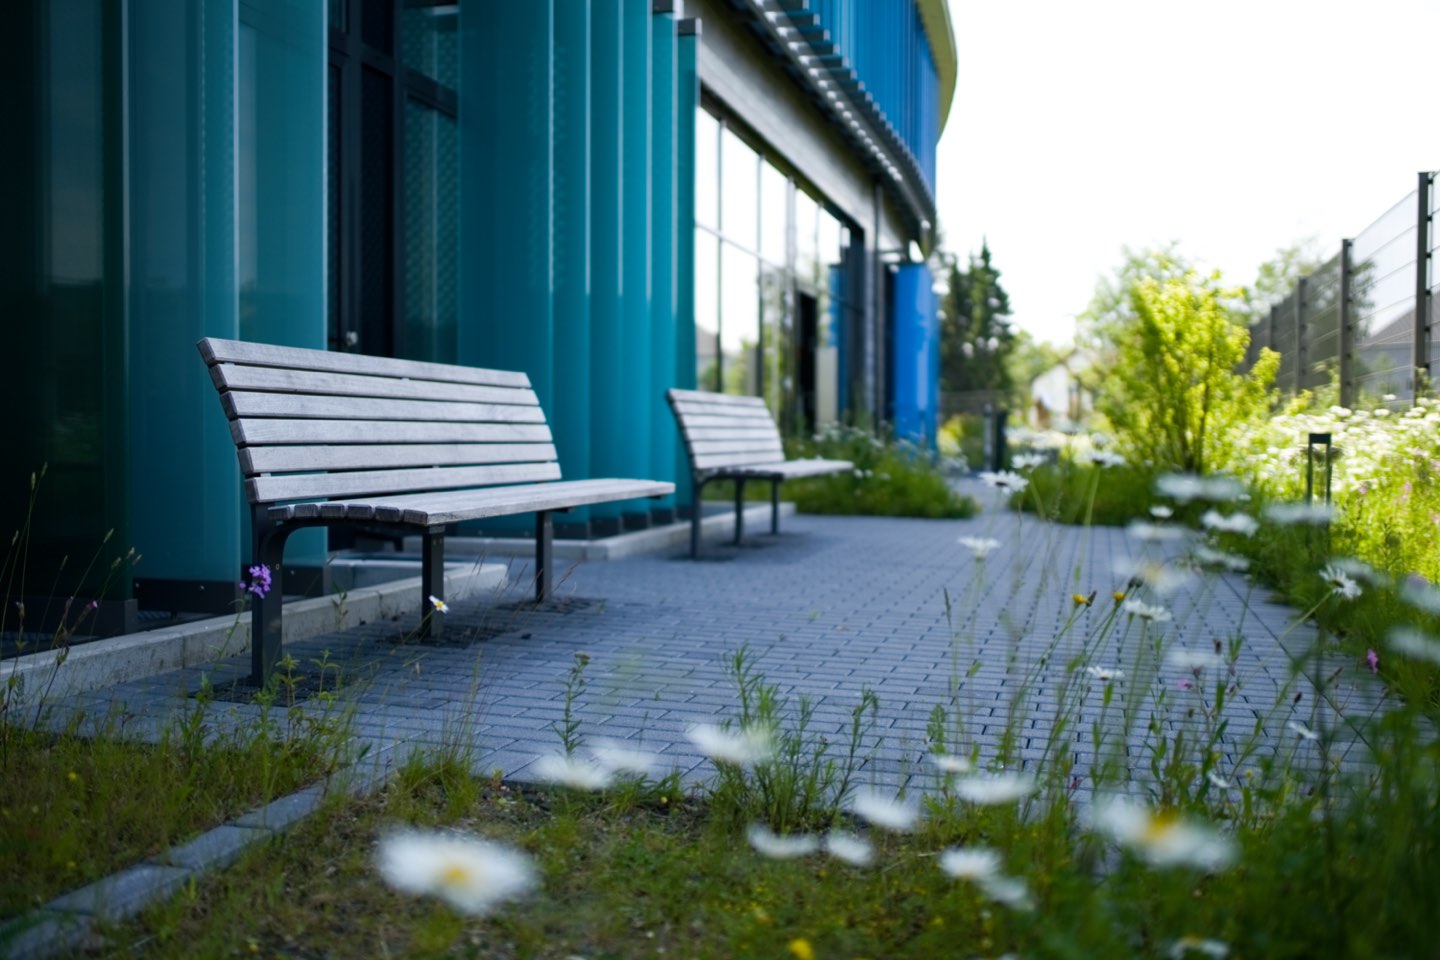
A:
[1373, 659]
[1185, 684]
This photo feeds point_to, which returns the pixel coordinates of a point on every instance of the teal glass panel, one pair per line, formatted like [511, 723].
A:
[607, 342]
[570, 410]
[283, 96]
[636, 382]
[429, 40]
[432, 186]
[62, 289]
[182, 252]
[663, 254]
[687, 113]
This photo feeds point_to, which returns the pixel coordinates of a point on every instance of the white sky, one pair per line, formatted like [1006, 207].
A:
[1235, 127]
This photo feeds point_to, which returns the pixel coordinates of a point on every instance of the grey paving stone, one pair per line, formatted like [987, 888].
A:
[43, 933]
[123, 894]
[213, 849]
[280, 815]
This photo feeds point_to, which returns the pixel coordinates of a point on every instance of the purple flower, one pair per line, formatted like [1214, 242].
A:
[1373, 659]
[1185, 684]
[94, 604]
[259, 580]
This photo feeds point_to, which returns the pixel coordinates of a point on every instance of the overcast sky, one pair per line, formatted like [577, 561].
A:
[1234, 127]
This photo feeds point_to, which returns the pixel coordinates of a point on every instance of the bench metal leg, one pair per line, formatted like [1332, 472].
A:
[697, 486]
[266, 612]
[739, 509]
[544, 541]
[774, 507]
[432, 584]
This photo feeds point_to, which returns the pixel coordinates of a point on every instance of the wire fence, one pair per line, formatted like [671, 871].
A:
[1365, 318]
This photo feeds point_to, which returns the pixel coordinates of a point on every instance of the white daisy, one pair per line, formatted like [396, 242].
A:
[1208, 946]
[1340, 584]
[854, 850]
[1241, 523]
[1104, 674]
[1302, 731]
[882, 811]
[980, 547]
[1412, 643]
[1005, 481]
[1185, 487]
[995, 788]
[1146, 611]
[1164, 839]
[1287, 514]
[471, 875]
[749, 746]
[951, 765]
[570, 772]
[970, 863]
[772, 845]
[615, 758]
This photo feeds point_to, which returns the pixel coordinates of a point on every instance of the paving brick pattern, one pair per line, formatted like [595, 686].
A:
[831, 607]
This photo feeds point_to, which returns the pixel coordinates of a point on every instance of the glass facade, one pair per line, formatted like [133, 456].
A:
[776, 285]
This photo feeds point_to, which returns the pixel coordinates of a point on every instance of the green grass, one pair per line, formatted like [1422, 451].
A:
[75, 808]
[891, 478]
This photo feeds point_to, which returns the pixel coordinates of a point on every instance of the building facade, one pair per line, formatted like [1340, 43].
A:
[616, 197]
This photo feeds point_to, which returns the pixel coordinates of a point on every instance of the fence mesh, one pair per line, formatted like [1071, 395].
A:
[1383, 291]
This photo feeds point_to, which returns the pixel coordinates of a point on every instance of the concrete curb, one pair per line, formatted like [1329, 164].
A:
[102, 663]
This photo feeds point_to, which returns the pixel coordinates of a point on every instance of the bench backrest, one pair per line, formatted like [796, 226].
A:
[317, 425]
[722, 431]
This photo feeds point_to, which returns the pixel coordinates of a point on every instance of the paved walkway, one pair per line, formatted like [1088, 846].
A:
[830, 608]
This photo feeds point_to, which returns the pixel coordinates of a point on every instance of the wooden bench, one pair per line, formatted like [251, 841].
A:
[735, 438]
[336, 438]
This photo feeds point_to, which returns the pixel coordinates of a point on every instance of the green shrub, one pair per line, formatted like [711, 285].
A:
[891, 478]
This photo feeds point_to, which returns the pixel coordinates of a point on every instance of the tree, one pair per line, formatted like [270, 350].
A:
[975, 338]
[1171, 386]
[1279, 275]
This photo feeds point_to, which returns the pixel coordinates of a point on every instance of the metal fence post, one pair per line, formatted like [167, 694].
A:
[1347, 331]
[1302, 346]
[1270, 342]
[1422, 286]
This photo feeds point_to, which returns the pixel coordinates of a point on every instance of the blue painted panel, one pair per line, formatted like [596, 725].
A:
[916, 359]
[182, 245]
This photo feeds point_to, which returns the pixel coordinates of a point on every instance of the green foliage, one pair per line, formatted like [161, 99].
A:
[1172, 390]
[801, 785]
[1078, 493]
[891, 478]
[975, 338]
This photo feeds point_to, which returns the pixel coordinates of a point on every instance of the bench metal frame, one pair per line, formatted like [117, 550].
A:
[330, 439]
[735, 438]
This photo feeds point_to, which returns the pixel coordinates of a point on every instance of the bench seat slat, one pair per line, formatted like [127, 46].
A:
[255, 460]
[455, 506]
[229, 376]
[727, 433]
[268, 489]
[752, 445]
[722, 420]
[719, 399]
[759, 414]
[238, 405]
[299, 358]
[784, 470]
[259, 430]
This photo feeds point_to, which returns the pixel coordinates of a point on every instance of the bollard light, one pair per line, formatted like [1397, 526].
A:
[1318, 440]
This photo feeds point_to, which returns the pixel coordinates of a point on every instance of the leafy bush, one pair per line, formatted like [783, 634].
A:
[892, 478]
[1173, 391]
[1078, 493]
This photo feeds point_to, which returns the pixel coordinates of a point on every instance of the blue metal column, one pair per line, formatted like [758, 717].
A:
[182, 248]
[916, 357]
[637, 382]
[687, 101]
[663, 255]
[570, 410]
[281, 200]
[608, 434]
[506, 158]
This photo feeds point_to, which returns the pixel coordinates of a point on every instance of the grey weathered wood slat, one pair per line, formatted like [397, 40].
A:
[677, 395]
[719, 420]
[720, 461]
[728, 433]
[307, 486]
[229, 376]
[255, 460]
[275, 431]
[756, 445]
[792, 469]
[215, 351]
[436, 509]
[365, 408]
[760, 414]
